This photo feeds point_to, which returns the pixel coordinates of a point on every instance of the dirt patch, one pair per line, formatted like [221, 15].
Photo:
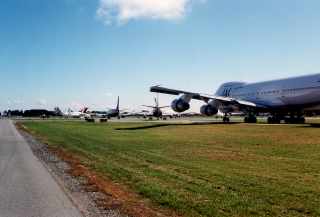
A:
[108, 196]
[118, 196]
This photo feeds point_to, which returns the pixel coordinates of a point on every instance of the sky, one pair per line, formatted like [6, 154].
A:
[74, 53]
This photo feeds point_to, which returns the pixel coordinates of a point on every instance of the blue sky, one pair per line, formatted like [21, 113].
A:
[86, 52]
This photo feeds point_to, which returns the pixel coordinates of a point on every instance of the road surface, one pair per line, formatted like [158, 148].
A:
[27, 189]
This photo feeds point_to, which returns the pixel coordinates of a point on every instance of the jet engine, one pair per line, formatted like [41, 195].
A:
[208, 110]
[180, 105]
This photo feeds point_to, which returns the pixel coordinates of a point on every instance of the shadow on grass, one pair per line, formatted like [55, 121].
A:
[174, 124]
[314, 125]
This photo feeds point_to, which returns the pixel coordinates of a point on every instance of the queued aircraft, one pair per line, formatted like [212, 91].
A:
[156, 109]
[284, 99]
[111, 113]
[77, 114]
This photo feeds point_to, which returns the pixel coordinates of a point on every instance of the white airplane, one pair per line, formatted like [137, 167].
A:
[80, 114]
[284, 99]
[156, 110]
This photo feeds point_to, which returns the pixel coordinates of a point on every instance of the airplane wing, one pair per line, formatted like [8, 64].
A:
[206, 98]
[148, 106]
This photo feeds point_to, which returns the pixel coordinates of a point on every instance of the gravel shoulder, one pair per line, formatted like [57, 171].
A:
[85, 198]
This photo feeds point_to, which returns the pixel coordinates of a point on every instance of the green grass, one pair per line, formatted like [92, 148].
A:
[203, 170]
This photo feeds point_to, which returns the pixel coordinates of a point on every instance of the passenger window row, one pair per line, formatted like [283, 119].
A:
[270, 92]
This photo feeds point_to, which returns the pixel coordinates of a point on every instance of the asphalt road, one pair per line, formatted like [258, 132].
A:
[27, 189]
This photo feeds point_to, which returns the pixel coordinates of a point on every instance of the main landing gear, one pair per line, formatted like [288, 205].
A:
[274, 120]
[226, 119]
[250, 118]
[293, 118]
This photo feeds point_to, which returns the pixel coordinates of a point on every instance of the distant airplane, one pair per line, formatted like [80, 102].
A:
[57, 111]
[111, 113]
[80, 114]
[284, 99]
[156, 109]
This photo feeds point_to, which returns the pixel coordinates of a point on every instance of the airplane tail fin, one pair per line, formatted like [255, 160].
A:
[118, 104]
[157, 102]
[118, 107]
[84, 110]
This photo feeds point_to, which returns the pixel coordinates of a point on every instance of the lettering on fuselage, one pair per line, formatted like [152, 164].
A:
[226, 92]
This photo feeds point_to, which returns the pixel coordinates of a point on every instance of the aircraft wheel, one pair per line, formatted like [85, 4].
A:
[301, 120]
[226, 120]
[295, 120]
[250, 119]
[253, 119]
[289, 120]
[273, 120]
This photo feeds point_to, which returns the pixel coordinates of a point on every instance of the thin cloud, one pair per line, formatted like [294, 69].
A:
[42, 103]
[122, 11]
[109, 94]
[76, 105]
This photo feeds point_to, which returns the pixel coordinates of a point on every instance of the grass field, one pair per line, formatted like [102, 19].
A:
[202, 170]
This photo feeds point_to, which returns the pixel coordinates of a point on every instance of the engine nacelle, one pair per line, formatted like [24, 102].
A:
[179, 105]
[208, 110]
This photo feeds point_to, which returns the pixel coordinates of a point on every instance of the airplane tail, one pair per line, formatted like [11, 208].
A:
[157, 102]
[118, 104]
[84, 110]
[118, 107]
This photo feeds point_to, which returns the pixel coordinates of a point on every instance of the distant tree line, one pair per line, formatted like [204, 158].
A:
[32, 113]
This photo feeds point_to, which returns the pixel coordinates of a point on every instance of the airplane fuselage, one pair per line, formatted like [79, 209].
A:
[292, 93]
[157, 112]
